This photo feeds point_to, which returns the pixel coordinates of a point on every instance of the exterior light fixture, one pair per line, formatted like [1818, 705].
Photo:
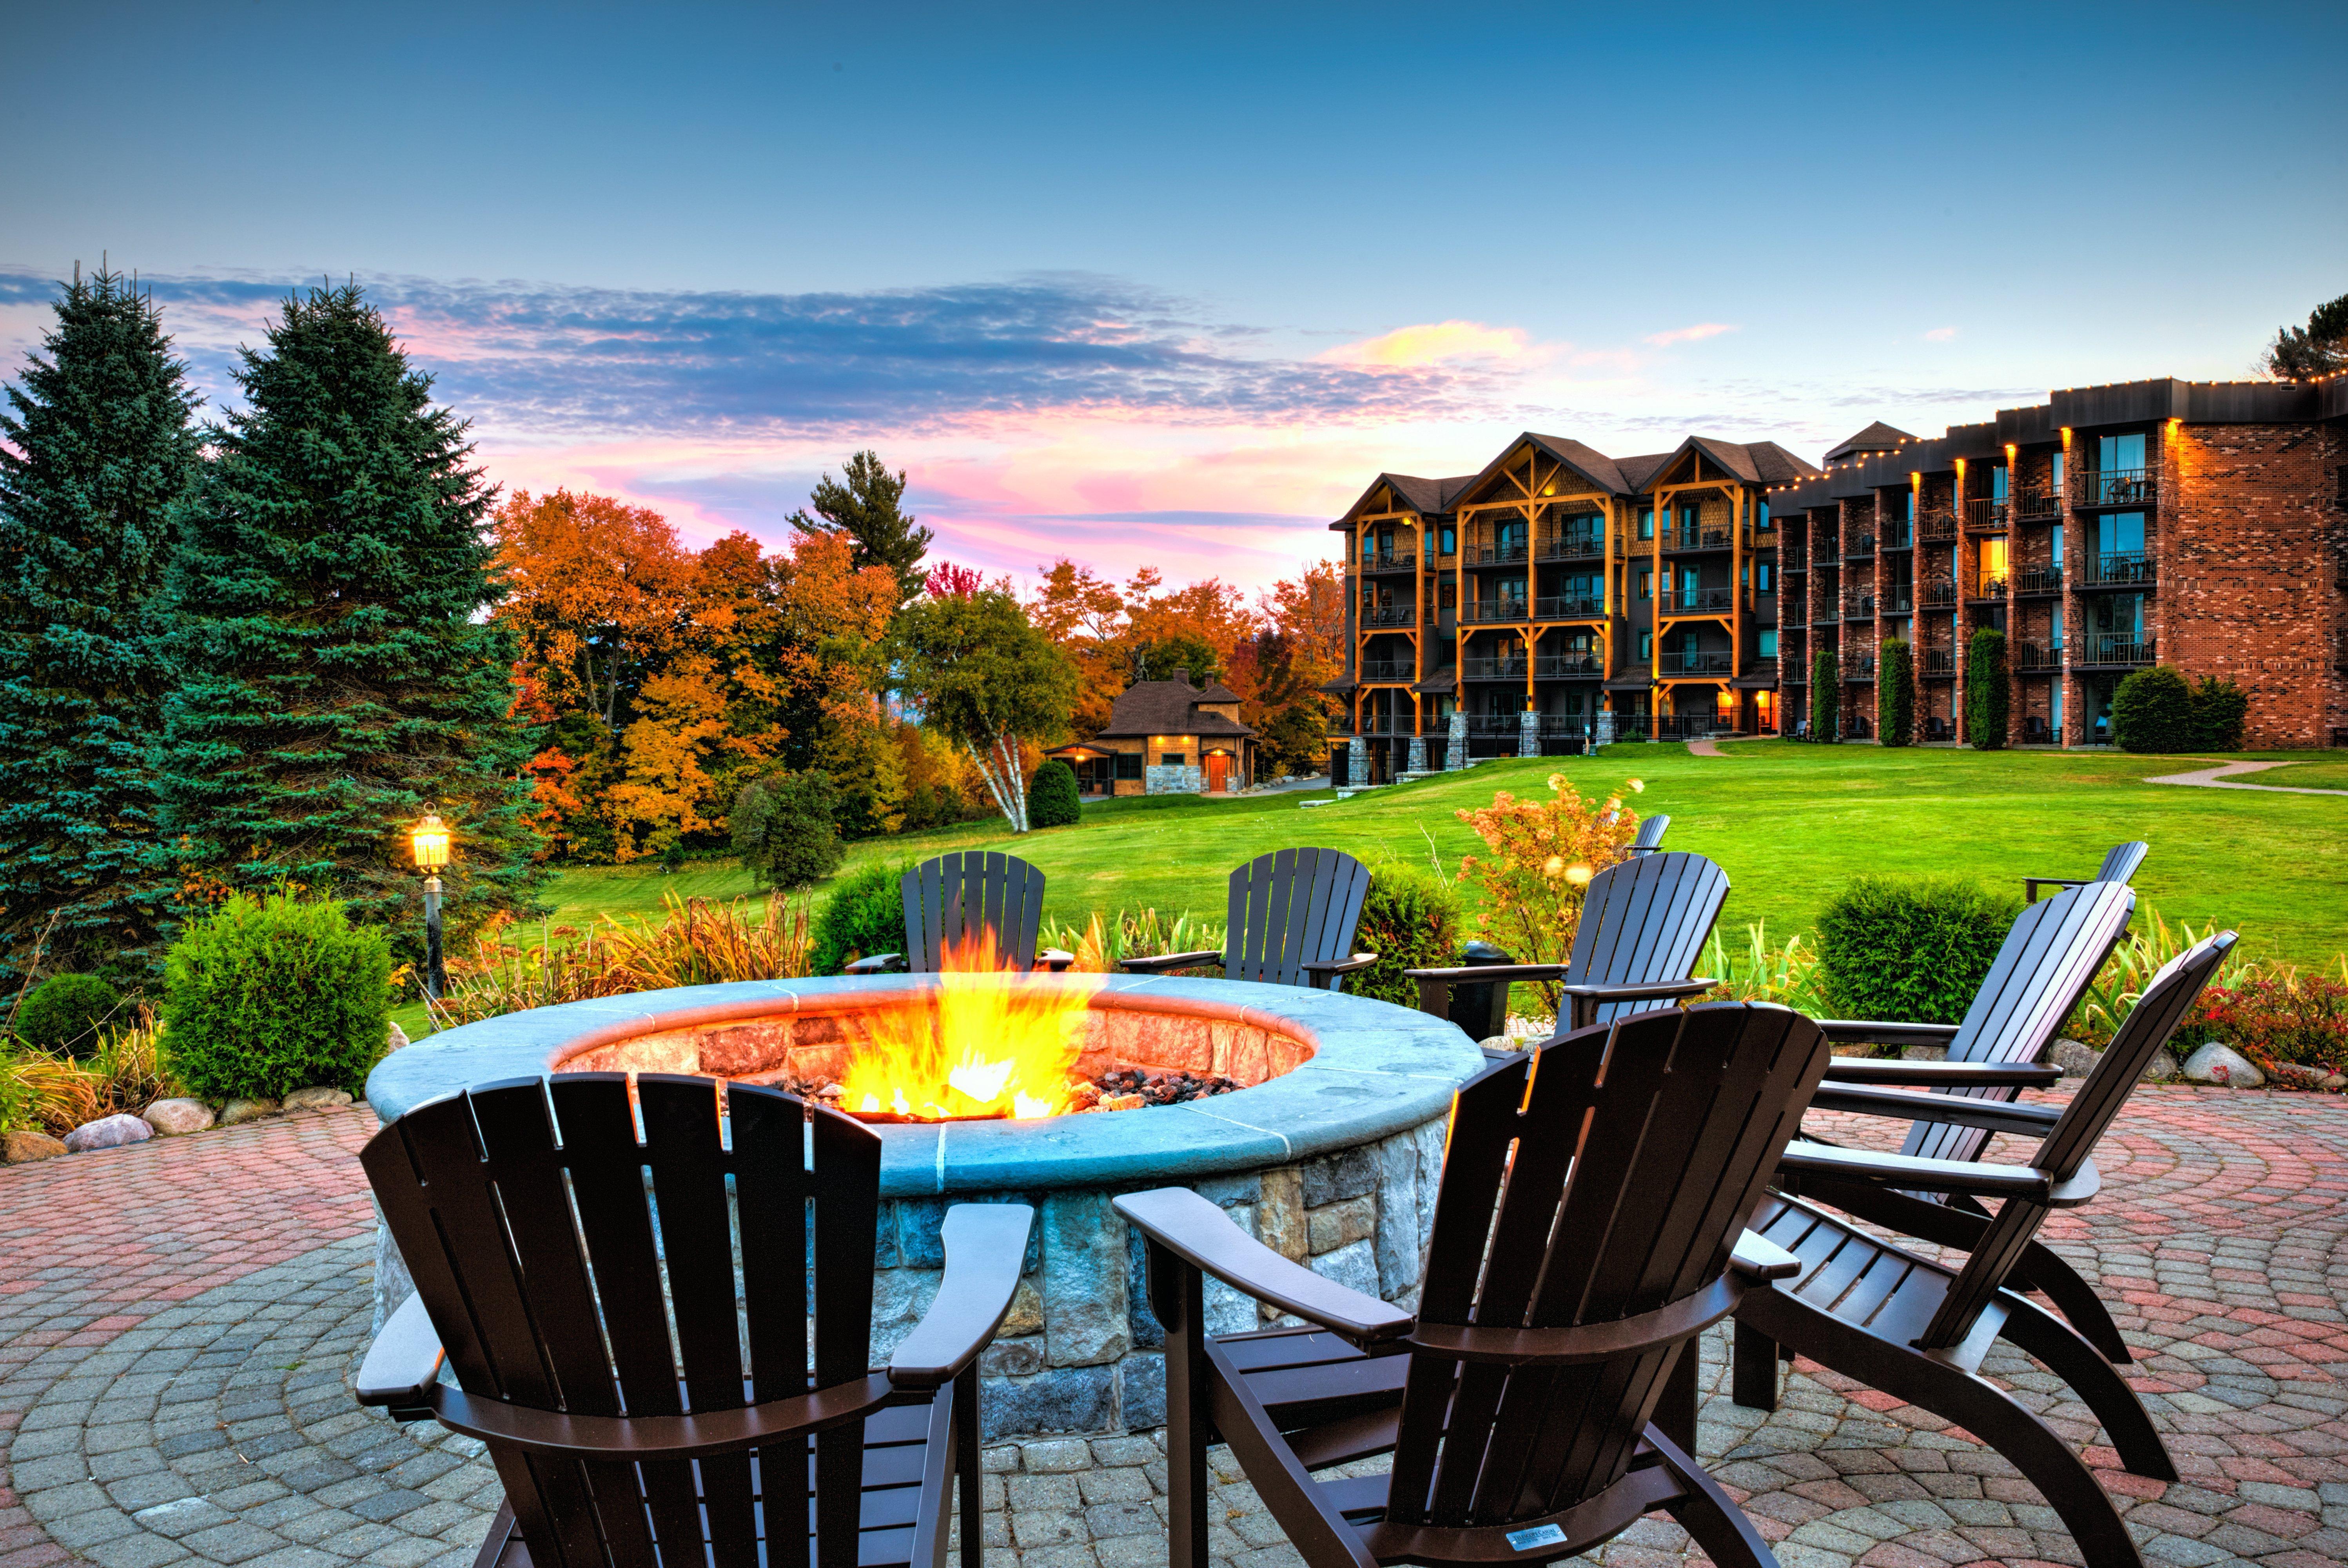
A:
[428, 840]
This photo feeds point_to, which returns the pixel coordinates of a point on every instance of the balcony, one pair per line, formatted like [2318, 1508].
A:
[1572, 546]
[1987, 588]
[1794, 557]
[2038, 505]
[1487, 724]
[1939, 662]
[1987, 515]
[1569, 608]
[2039, 581]
[1494, 611]
[1492, 670]
[1494, 554]
[1566, 666]
[1698, 600]
[1858, 607]
[1939, 593]
[1859, 667]
[2037, 656]
[1860, 547]
[1795, 674]
[1936, 522]
[1387, 670]
[1388, 724]
[1671, 662]
[2117, 569]
[1900, 535]
[1391, 563]
[2115, 487]
[1792, 615]
[1388, 616]
[1897, 601]
[2106, 649]
[1699, 538]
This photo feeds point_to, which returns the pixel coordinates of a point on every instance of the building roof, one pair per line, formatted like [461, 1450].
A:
[1170, 708]
[1426, 496]
[1877, 437]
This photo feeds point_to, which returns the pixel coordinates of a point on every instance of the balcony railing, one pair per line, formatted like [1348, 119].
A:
[1391, 563]
[1989, 588]
[1859, 667]
[1897, 601]
[1940, 593]
[1561, 666]
[1388, 724]
[1794, 557]
[1936, 522]
[1859, 547]
[1939, 662]
[1858, 607]
[1671, 662]
[1698, 600]
[2117, 569]
[1388, 616]
[1491, 611]
[1572, 546]
[2039, 580]
[2105, 649]
[1493, 724]
[1899, 535]
[2038, 506]
[1794, 616]
[1387, 670]
[1987, 515]
[1699, 538]
[1492, 670]
[2037, 656]
[1569, 607]
[1795, 674]
[2115, 487]
[1494, 554]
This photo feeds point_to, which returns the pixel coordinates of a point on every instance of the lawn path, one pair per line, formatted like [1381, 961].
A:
[2220, 777]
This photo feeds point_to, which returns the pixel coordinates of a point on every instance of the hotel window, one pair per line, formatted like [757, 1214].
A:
[1647, 645]
[1451, 538]
[1768, 641]
[1761, 516]
[2119, 453]
[1450, 595]
[1768, 572]
[1998, 478]
[2054, 541]
[1646, 525]
[1646, 583]
[1689, 578]
[2055, 473]
[2122, 531]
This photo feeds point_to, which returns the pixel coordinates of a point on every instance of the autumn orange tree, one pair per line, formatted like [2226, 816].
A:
[1540, 857]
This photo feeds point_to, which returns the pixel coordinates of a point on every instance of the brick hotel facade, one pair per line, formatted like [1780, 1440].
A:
[2203, 525]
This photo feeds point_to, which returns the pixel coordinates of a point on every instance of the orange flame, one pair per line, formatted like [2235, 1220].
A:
[990, 1042]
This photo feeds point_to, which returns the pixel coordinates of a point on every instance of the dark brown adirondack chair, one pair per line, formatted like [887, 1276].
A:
[549, 1270]
[955, 896]
[1918, 1330]
[2042, 971]
[1645, 922]
[2119, 865]
[1586, 1230]
[1651, 834]
[1291, 922]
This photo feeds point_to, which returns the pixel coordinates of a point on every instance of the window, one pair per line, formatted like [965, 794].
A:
[2055, 542]
[2119, 453]
[2054, 474]
[1998, 478]
[1761, 516]
[1646, 525]
[1128, 765]
[1903, 506]
[2121, 532]
[2120, 616]
[1511, 591]
[1768, 641]
[1647, 645]
[1768, 572]
[1450, 594]
[1511, 535]
[1450, 537]
[1689, 578]
[1173, 759]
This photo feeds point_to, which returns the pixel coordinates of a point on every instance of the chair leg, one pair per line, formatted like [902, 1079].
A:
[1752, 1375]
[966, 1478]
[1177, 1296]
[2044, 1270]
[2070, 1357]
[1675, 1411]
[1707, 1514]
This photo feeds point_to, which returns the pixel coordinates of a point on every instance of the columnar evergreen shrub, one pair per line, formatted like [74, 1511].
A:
[2152, 710]
[1895, 693]
[97, 451]
[1989, 692]
[65, 1012]
[1825, 697]
[1911, 950]
[1052, 799]
[275, 993]
[2220, 710]
[784, 829]
[865, 916]
[1410, 922]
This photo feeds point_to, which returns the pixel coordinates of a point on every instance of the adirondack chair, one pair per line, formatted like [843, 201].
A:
[2119, 865]
[519, 1286]
[1651, 834]
[955, 896]
[1291, 922]
[1918, 1330]
[1643, 924]
[1522, 1403]
[2042, 971]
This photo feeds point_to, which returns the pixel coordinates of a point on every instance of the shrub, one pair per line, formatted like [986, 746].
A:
[1909, 949]
[1989, 694]
[2153, 711]
[1543, 854]
[1296, 740]
[1786, 975]
[1052, 799]
[16, 1095]
[1895, 693]
[66, 1013]
[2281, 1022]
[1102, 945]
[1825, 697]
[1410, 922]
[865, 914]
[273, 994]
[2220, 710]
[785, 830]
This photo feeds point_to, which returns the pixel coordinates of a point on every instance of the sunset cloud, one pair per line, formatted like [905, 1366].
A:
[1433, 343]
[1941, 335]
[1695, 333]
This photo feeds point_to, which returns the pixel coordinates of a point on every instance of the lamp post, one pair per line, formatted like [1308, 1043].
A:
[430, 839]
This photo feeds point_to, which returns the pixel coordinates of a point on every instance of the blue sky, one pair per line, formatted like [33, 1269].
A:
[1170, 285]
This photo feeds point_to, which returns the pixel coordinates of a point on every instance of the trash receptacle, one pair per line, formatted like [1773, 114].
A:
[1481, 1010]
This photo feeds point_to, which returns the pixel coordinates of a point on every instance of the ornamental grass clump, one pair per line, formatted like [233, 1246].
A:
[1103, 945]
[275, 993]
[1543, 854]
[1911, 950]
[1788, 976]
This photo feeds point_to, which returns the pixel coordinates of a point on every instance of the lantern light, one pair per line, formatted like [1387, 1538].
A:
[429, 840]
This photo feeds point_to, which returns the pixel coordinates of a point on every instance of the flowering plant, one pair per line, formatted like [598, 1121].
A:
[1542, 856]
[2281, 1022]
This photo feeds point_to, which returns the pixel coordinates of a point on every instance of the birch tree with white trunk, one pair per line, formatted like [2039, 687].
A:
[988, 681]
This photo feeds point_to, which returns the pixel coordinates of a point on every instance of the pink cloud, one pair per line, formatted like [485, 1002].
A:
[1941, 335]
[1695, 333]
[1433, 343]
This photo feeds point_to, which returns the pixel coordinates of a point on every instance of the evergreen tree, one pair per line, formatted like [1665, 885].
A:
[1825, 697]
[2319, 349]
[104, 451]
[1895, 692]
[1989, 692]
[338, 680]
[869, 509]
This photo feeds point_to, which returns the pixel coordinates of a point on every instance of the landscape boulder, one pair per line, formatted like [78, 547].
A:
[24, 1148]
[395, 1039]
[2076, 1059]
[176, 1115]
[318, 1097]
[2162, 1068]
[238, 1110]
[2214, 1063]
[108, 1133]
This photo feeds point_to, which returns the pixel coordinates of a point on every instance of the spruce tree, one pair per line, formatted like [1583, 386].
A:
[104, 450]
[338, 681]
[868, 509]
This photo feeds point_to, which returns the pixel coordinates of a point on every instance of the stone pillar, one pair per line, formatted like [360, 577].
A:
[1417, 763]
[1455, 755]
[1528, 734]
[1604, 733]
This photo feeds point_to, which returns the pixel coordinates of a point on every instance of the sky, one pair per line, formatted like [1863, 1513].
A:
[1169, 285]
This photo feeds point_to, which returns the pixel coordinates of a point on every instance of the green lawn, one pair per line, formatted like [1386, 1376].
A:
[1789, 823]
[2326, 775]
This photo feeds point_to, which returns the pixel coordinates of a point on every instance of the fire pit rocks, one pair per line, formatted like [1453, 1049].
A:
[1328, 1152]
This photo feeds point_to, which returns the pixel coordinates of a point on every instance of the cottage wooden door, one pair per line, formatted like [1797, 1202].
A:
[1219, 772]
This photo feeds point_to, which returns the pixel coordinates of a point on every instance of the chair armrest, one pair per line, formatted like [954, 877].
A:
[1203, 1236]
[404, 1362]
[1435, 984]
[984, 1244]
[1978, 1178]
[1960, 1110]
[2030, 885]
[1325, 973]
[1641, 990]
[1865, 1032]
[1161, 963]
[1055, 959]
[878, 964]
[1942, 1075]
[1757, 1258]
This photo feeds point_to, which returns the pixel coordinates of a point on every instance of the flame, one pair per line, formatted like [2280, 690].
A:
[990, 1042]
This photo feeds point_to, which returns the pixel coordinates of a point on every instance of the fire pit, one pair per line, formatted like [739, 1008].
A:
[1327, 1148]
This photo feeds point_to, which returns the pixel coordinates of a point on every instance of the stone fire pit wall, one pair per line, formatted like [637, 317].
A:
[1331, 1161]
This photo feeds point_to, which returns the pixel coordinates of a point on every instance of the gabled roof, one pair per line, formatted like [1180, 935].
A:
[1588, 461]
[1637, 471]
[1877, 437]
[1426, 496]
[1170, 708]
[1755, 462]
[1218, 692]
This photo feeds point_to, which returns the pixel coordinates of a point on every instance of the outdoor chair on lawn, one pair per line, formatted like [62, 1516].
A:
[1587, 1229]
[1291, 922]
[2049, 957]
[953, 898]
[1918, 1330]
[2120, 866]
[1651, 834]
[539, 1227]
[1644, 920]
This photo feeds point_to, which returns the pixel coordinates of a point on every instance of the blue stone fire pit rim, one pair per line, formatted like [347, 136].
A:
[1376, 1069]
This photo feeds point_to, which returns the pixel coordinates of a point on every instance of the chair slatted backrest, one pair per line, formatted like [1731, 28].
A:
[2042, 969]
[1290, 907]
[2068, 1144]
[1622, 1161]
[1646, 918]
[1651, 834]
[555, 1251]
[2120, 864]
[949, 898]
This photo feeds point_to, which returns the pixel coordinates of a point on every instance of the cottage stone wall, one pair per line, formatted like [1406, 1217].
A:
[1159, 779]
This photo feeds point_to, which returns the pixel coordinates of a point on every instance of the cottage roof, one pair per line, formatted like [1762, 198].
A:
[1170, 707]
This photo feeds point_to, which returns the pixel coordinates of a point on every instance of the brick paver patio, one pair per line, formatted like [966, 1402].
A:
[178, 1320]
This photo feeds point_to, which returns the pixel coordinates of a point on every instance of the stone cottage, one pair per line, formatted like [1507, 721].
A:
[1166, 737]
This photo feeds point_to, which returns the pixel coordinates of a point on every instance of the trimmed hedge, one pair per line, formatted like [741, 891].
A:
[1825, 697]
[1895, 693]
[864, 915]
[273, 993]
[1911, 950]
[1410, 922]
[1052, 799]
[2221, 711]
[1989, 692]
[2152, 710]
[65, 1012]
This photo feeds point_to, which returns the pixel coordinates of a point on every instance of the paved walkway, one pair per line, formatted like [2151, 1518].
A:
[2222, 777]
[178, 1322]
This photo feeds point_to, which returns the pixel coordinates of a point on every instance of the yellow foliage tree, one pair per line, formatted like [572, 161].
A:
[1541, 856]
